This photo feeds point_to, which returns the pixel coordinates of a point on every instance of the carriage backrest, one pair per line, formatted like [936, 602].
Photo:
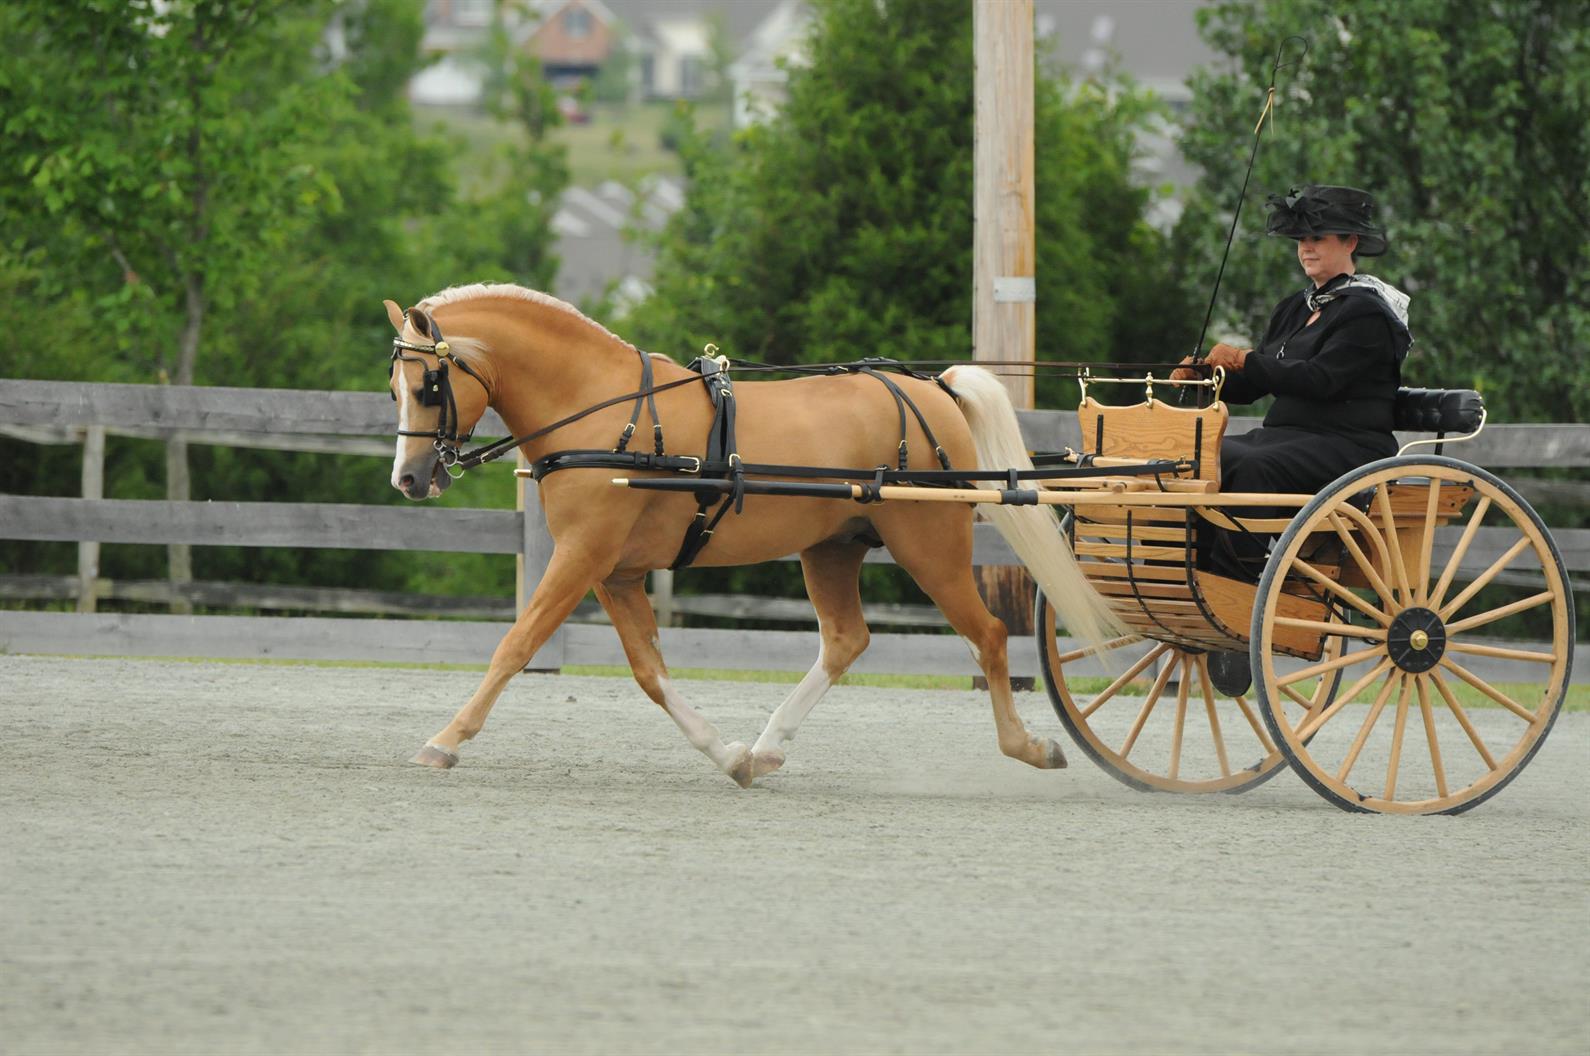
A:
[1155, 429]
[1449, 411]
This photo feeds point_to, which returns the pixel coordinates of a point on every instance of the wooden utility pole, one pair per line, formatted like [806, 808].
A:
[1004, 252]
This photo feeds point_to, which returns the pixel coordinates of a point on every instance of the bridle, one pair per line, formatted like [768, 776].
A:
[436, 390]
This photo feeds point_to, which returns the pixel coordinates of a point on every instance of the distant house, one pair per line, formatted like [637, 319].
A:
[675, 53]
[572, 38]
[758, 75]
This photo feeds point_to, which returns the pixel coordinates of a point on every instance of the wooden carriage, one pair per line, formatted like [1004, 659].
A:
[1386, 580]
[1379, 597]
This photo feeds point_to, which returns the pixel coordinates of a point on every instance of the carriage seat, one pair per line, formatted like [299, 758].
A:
[1439, 411]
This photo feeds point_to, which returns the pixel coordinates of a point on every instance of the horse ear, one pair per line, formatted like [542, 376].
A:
[394, 313]
[421, 323]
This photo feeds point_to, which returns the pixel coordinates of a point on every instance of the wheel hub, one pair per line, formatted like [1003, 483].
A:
[1416, 639]
[1230, 673]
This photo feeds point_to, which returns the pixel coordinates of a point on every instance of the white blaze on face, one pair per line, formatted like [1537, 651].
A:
[405, 402]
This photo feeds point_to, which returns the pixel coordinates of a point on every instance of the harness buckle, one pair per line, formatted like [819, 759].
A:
[696, 468]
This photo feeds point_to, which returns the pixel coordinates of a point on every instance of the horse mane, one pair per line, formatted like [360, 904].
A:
[476, 290]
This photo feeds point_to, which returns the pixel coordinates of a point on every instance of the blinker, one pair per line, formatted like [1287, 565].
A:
[431, 389]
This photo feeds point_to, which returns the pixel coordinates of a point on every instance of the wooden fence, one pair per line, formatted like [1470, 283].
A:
[361, 423]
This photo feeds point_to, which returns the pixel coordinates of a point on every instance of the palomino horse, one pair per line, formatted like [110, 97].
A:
[537, 360]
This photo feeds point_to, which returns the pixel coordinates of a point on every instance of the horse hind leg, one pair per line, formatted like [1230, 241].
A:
[938, 555]
[832, 572]
[624, 598]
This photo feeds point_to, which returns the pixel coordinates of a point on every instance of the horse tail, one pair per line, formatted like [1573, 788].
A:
[1032, 531]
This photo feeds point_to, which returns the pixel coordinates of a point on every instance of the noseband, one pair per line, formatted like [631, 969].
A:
[436, 390]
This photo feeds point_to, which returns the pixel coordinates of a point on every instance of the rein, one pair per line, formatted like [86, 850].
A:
[437, 391]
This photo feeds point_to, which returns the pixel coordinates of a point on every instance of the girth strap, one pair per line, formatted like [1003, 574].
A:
[722, 450]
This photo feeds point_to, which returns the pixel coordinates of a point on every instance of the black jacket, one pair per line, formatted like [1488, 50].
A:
[1338, 376]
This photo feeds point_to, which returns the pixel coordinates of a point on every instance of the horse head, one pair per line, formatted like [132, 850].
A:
[437, 405]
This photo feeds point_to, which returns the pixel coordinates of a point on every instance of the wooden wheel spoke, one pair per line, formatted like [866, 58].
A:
[1462, 718]
[1502, 653]
[1489, 690]
[1181, 717]
[1114, 643]
[1365, 565]
[1345, 660]
[1369, 724]
[1427, 543]
[1345, 630]
[1429, 734]
[1131, 673]
[1214, 720]
[1295, 695]
[1393, 545]
[1456, 560]
[1485, 577]
[1148, 706]
[1346, 696]
[1253, 720]
[1504, 611]
[1396, 738]
[1379, 616]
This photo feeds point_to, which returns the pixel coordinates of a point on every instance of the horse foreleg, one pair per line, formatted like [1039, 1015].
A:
[567, 578]
[832, 572]
[941, 563]
[624, 598]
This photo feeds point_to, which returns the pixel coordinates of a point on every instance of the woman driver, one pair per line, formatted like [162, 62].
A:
[1331, 356]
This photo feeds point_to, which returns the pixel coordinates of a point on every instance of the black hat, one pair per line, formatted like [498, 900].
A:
[1319, 210]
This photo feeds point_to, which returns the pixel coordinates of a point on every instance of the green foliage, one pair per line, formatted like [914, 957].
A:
[163, 142]
[613, 82]
[307, 199]
[842, 227]
[1470, 123]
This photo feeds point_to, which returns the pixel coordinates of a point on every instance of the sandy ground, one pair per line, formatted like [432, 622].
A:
[227, 858]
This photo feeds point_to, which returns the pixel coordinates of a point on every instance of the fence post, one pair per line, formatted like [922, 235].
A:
[534, 554]
[93, 488]
[662, 596]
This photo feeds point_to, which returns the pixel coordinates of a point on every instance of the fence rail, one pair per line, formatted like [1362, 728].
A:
[345, 422]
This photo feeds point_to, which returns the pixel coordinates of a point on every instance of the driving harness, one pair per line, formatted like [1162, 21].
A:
[720, 473]
[722, 463]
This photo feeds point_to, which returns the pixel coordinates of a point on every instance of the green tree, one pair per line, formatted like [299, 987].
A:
[507, 230]
[172, 165]
[362, 208]
[1470, 123]
[842, 226]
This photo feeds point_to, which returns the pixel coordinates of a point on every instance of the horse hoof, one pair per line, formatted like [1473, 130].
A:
[766, 760]
[742, 765]
[437, 758]
[1054, 756]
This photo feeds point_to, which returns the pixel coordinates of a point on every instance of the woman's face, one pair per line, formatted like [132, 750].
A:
[1326, 256]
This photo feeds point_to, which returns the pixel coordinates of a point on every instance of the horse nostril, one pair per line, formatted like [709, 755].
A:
[407, 482]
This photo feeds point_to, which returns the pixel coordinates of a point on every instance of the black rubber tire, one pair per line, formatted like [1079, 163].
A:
[1335, 495]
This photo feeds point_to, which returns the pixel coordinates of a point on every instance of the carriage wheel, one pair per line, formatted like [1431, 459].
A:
[1432, 603]
[1190, 737]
